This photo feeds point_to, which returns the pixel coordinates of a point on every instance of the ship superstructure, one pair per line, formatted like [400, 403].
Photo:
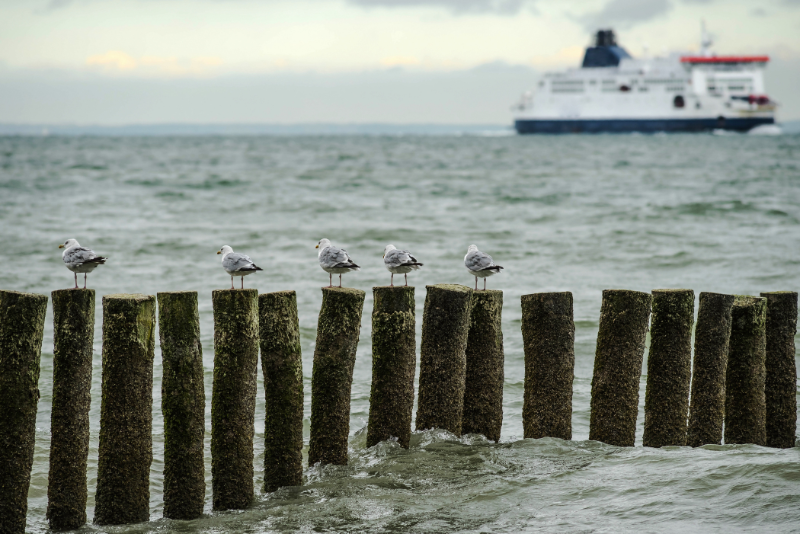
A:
[614, 92]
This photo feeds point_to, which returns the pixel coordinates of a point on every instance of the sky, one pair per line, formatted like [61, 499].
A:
[350, 61]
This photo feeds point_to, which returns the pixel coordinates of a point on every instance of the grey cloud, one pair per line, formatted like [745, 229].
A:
[504, 7]
[625, 13]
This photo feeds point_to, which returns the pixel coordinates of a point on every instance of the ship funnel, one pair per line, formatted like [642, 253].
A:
[605, 38]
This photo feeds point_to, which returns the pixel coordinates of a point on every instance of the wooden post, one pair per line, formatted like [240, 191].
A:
[548, 334]
[233, 397]
[183, 402]
[669, 368]
[745, 406]
[483, 387]
[780, 387]
[443, 357]
[73, 331]
[21, 332]
[282, 365]
[624, 318]
[711, 338]
[332, 377]
[126, 422]
[394, 361]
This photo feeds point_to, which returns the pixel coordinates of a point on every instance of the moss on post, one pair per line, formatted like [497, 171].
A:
[126, 423]
[711, 338]
[332, 377]
[780, 386]
[282, 365]
[21, 332]
[669, 368]
[548, 334]
[233, 397]
[394, 361]
[73, 332]
[624, 318]
[443, 357]
[745, 407]
[183, 403]
[483, 386]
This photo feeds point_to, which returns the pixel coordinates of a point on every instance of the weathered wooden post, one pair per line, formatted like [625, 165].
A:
[233, 397]
[73, 332]
[394, 361]
[624, 318]
[332, 377]
[126, 422]
[745, 406]
[669, 368]
[443, 357]
[183, 402]
[780, 387]
[711, 337]
[281, 363]
[483, 386]
[21, 332]
[548, 334]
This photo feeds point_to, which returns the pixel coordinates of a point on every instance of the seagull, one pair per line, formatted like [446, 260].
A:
[236, 264]
[334, 260]
[399, 262]
[480, 264]
[80, 259]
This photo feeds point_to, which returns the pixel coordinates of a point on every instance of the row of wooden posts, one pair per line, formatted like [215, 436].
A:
[744, 378]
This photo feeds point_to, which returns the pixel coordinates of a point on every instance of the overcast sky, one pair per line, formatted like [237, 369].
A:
[466, 61]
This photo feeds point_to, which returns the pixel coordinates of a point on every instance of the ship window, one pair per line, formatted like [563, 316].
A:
[624, 88]
[735, 88]
[678, 101]
[592, 82]
[643, 89]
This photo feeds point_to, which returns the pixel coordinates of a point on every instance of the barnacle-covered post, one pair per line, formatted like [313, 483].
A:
[73, 332]
[711, 338]
[394, 360]
[233, 397]
[745, 406]
[780, 387]
[21, 332]
[443, 357]
[281, 363]
[624, 318]
[669, 368]
[332, 377]
[548, 334]
[483, 386]
[126, 421]
[183, 403]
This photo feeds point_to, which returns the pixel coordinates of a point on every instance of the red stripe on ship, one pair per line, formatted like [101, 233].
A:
[725, 59]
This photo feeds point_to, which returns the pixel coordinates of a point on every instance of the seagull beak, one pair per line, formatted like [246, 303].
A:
[60, 246]
[219, 252]
[317, 245]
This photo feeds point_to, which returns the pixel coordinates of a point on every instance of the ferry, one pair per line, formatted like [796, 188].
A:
[614, 92]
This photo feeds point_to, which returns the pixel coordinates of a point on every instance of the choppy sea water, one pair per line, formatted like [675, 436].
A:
[571, 213]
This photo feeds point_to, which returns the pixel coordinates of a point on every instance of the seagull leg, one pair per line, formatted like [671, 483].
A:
[232, 283]
[84, 280]
[476, 283]
[242, 282]
[406, 275]
[340, 280]
[391, 281]
[76, 280]
[330, 279]
[484, 284]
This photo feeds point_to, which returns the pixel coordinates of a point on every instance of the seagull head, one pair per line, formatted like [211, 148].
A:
[69, 243]
[472, 248]
[225, 250]
[323, 243]
[387, 249]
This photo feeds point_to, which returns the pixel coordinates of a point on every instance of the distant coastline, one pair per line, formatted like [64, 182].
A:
[178, 129]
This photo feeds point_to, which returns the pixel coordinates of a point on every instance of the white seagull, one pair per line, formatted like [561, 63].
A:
[399, 262]
[236, 264]
[334, 260]
[80, 259]
[480, 264]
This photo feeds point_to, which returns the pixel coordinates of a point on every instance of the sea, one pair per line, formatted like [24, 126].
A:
[709, 212]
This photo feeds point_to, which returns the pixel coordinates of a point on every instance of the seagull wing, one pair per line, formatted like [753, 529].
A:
[478, 261]
[81, 255]
[235, 262]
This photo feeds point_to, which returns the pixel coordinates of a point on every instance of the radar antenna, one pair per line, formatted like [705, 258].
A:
[706, 41]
